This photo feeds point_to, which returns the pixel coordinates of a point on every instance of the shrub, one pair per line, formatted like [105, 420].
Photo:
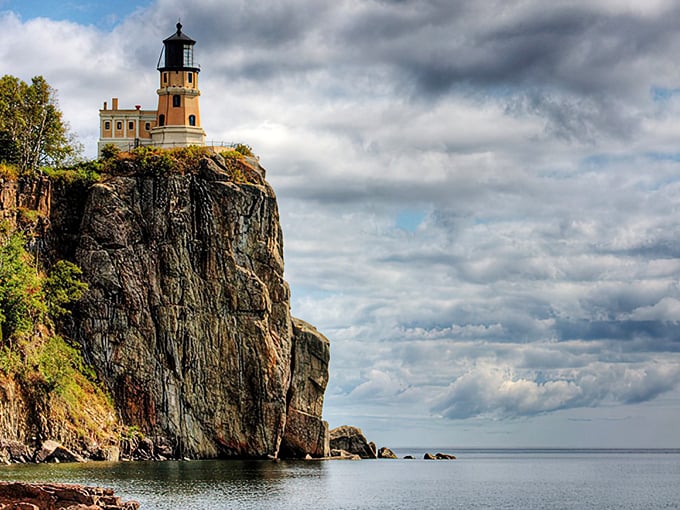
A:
[9, 172]
[62, 287]
[21, 296]
[84, 173]
[109, 151]
[244, 149]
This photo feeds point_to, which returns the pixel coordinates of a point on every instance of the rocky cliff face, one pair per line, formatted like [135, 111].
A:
[305, 433]
[187, 318]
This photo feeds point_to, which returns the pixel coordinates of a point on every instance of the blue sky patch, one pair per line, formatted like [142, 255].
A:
[663, 93]
[100, 14]
[409, 219]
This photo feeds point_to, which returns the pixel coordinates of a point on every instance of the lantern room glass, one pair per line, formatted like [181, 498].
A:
[188, 55]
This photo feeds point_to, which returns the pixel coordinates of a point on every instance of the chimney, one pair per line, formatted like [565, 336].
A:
[114, 103]
[105, 105]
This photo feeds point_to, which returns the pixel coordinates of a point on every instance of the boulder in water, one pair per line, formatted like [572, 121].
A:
[386, 453]
[352, 440]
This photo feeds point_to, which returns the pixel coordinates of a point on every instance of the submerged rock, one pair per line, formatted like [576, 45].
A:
[439, 456]
[29, 496]
[351, 439]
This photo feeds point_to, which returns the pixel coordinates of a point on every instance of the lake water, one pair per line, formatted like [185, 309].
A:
[498, 479]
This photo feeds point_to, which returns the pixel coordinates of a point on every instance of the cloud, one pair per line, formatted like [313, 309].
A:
[499, 393]
[667, 309]
[536, 147]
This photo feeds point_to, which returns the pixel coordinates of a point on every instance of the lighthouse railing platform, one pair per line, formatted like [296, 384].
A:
[215, 146]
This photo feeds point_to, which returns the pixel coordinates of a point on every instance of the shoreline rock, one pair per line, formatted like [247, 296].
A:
[38, 496]
[386, 453]
[439, 456]
[343, 455]
[352, 440]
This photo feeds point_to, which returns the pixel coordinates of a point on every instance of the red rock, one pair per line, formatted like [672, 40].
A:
[53, 496]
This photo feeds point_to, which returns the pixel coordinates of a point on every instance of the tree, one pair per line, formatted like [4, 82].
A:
[21, 296]
[32, 131]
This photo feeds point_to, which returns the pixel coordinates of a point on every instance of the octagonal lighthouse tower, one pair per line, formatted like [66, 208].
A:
[178, 121]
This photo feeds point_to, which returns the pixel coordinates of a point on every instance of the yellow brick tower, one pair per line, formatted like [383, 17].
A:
[178, 120]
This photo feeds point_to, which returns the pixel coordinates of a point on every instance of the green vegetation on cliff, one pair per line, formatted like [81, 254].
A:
[239, 162]
[53, 381]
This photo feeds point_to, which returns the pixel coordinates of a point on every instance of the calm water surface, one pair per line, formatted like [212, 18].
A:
[498, 479]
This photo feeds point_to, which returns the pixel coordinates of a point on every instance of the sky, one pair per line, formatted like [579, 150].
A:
[479, 198]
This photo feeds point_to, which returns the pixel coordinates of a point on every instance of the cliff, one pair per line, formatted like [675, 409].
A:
[187, 317]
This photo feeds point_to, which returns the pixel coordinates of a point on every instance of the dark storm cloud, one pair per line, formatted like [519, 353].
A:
[439, 45]
[657, 335]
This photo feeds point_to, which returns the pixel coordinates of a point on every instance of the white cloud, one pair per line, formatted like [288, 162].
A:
[667, 309]
[500, 393]
[539, 149]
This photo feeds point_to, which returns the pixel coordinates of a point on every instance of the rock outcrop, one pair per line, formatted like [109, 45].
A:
[352, 440]
[51, 451]
[386, 453]
[31, 496]
[439, 456]
[343, 455]
[306, 432]
[187, 317]
[12, 451]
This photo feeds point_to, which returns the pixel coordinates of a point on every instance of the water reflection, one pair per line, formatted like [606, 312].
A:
[512, 480]
[183, 484]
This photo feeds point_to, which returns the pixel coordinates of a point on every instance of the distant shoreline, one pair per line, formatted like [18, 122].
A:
[531, 449]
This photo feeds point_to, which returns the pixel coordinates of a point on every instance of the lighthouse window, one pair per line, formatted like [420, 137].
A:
[192, 120]
[147, 126]
[161, 120]
[176, 100]
[188, 56]
[191, 77]
[119, 125]
[131, 125]
[165, 77]
[107, 125]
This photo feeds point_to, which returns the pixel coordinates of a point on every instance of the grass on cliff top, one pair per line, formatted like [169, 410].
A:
[147, 160]
[153, 161]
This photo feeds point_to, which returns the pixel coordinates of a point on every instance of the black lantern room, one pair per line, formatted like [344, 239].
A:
[179, 53]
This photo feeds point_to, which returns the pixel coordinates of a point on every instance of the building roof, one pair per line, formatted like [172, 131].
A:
[179, 36]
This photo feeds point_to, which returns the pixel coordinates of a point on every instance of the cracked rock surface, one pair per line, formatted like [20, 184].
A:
[187, 319]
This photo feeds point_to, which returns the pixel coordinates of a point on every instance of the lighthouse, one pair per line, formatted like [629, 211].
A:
[178, 119]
